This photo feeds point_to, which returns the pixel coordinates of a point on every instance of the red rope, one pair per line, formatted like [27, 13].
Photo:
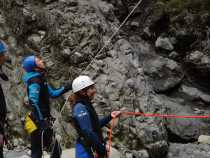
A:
[164, 115]
[110, 136]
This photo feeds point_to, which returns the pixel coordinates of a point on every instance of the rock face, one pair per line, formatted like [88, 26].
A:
[184, 150]
[157, 63]
[183, 130]
[164, 43]
[164, 73]
[204, 139]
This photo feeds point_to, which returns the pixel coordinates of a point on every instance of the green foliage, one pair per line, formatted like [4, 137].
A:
[179, 5]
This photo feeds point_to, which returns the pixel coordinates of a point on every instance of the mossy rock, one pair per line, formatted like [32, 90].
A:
[177, 6]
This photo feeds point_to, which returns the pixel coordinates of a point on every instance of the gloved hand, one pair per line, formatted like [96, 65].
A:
[4, 76]
[67, 86]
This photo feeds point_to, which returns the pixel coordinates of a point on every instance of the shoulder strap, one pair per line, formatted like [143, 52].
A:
[34, 80]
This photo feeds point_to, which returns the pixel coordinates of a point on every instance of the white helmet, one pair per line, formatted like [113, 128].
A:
[81, 82]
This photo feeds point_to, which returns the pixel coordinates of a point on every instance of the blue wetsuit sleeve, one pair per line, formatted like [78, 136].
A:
[34, 90]
[105, 120]
[82, 117]
[55, 92]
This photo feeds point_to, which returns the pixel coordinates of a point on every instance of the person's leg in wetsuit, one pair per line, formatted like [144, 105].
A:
[36, 145]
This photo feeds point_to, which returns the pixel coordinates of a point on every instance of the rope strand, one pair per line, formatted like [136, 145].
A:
[164, 115]
[106, 44]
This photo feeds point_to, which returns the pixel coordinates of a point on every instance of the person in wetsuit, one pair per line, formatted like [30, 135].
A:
[3, 108]
[39, 92]
[90, 140]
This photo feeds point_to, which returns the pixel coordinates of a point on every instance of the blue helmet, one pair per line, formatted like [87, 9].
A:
[3, 47]
[29, 63]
